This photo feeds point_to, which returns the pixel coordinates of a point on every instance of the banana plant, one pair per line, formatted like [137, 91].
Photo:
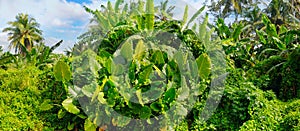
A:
[130, 41]
[279, 52]
[41, 55]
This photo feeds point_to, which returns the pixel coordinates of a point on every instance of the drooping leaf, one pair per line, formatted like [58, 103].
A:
[69, 106]
[204, 65]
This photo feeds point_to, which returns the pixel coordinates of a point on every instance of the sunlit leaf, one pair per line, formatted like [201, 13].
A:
[185, 15]
[46, 105]
[62, 71]
[89, 126]
[140, 97]
[126, 50]
[61, 113]
[150, 14]
[204, 65]
[68, 105]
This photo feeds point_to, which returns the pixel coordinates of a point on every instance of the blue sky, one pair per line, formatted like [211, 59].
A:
[60, 19]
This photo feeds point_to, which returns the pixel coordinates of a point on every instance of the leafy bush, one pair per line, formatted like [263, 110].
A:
[20, 99]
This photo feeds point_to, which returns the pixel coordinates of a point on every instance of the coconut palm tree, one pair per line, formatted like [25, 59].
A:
[22, 33]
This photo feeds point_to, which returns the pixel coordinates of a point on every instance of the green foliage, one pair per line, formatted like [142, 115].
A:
[30, 99]
[39, 92]
[20, 97]
[204, 66]
[149, 14]
[245, 107]
[62, 71]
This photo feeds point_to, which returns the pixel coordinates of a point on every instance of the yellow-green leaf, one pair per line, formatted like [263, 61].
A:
[62, 71]
[185, 15]
[89, 126]
[68, 105]
[204, 65]
[46, 105]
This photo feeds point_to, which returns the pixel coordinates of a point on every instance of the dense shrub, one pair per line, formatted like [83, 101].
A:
[30, 99]
[20, 99]
[245, 107]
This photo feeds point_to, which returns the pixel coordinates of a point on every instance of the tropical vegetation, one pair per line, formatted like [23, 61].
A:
[138, 68]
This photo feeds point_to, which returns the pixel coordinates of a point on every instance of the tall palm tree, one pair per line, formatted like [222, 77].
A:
[23, 32]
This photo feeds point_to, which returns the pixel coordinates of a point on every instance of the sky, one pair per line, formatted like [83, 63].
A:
[64, 19]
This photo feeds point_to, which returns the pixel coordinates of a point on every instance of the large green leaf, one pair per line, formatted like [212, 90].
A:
[126, 50]
[170, 95]
[62, 71]
[204, 65]
[88, 90]
[69, 106]
[158, 59]
[139, 50]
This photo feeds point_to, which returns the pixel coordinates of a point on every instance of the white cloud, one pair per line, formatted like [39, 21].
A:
[47, 12]
[58, 18]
